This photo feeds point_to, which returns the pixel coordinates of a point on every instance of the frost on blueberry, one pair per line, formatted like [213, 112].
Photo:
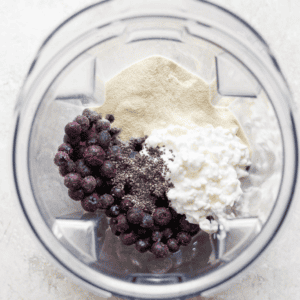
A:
[94, 156]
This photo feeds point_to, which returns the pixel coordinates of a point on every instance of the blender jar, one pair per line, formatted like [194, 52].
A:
[69, 74]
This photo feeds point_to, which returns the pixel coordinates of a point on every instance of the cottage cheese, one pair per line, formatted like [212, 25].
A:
[205, 164]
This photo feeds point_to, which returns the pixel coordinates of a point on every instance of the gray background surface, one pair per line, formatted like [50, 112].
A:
[25, 273]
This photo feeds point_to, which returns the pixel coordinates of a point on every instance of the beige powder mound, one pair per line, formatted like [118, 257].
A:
[155, 93]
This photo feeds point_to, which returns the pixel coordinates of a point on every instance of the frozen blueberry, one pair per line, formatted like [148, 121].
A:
[90, 203]
[105, 201]
[147, 221]
[162, 216]
[110, 118]
[82, 168]
[84, 122]
[173, 245]
[94, 155]
[142, 245]
[135, 215]
[183, 238]
[126, 204]
[117, 192]
[84, 136]
[63, 171]
[167, 233]
[69, 167]
[61, 158]
[73, 129]
[108, 169]
[104, 139]
[92, 115]
[66, 139]
[113, 211]
[160, 250]
[73, 181]
[122, 224]
[128, 238]
[86, 112]
[157, 236]
[102, 125]
[76, 194]
[184, 224]
[88, 184]
[66, 148]
[78, 152]
[75, 142]
[92, 140]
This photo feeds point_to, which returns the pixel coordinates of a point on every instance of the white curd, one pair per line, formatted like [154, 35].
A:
[205, 164]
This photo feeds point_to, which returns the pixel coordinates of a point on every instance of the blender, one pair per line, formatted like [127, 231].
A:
[69, 74]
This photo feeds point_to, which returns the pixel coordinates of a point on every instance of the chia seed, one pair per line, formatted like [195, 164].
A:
[144, 174]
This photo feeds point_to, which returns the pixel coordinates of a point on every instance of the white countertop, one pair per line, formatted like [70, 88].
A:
[25, 273]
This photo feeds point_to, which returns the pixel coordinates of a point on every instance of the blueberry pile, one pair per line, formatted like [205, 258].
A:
[88, 160]
[161, 233]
